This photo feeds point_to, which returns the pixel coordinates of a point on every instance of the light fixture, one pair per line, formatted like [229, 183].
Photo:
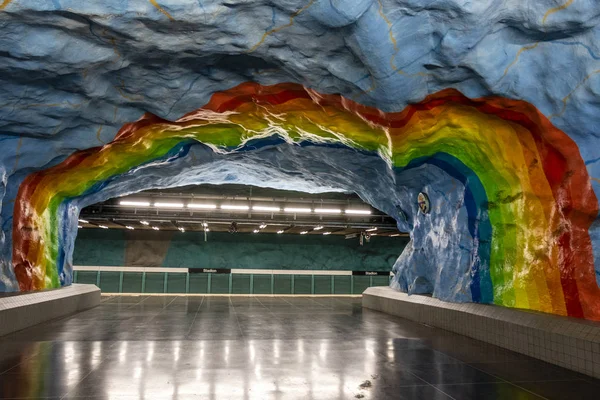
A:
[326, 233]
[181, 229]
[206, 230]
[263, 226]
[265, 208]
[168, 205]
[134, 203]
[103, 226]
[130, 227]
[303, 232]
[395, 234]
[280, 232]
[234, 207]
[328, 210]
[318, 227]
[255, 231]
[358, 212]
[202, 206]
[371, 230]
[83, 221]
[79, 226]
[156, 228]
[144, 222]
[297, 210]
[205, 224]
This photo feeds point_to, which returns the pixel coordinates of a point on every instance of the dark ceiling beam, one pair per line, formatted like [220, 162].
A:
[242, 219]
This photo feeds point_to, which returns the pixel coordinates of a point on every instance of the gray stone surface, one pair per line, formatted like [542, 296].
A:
[568, 342]
[28, 309]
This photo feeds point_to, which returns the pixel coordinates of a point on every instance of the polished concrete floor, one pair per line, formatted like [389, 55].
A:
[264, 348]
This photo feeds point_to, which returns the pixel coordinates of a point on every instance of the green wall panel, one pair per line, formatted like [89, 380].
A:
[381, 280]
[219, 283]
[176, 282]
[198, 283]
[155, 282]
[262, 284]
[342, 284]
[240, 284]
[302, 284]
[282, 284]
[322, 284]
[87, 277]
[132, 282]
[109, 282]
[361, 283]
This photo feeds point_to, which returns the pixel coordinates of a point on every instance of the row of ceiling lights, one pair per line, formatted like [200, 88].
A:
[245, 207]
[206, 229]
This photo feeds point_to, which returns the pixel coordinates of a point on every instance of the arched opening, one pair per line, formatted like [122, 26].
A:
[502, 185]
[235, 239]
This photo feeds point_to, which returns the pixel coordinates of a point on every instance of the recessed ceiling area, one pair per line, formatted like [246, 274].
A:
[240, 209]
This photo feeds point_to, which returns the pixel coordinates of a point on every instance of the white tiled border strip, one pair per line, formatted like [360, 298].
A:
[28, 309]
[568, 342]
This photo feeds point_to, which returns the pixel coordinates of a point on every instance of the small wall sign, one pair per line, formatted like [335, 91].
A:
[423, 201]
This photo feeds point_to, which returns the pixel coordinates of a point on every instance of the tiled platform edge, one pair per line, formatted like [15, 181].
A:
[567, 342]
[24, 310]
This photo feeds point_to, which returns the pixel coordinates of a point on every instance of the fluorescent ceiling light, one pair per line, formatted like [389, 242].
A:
[144, 222]
[318, 227]
[371, 230]
[83, 221]
[130, 227]
[326, 233]
[303, 232]
[328, 210]
[234, 207]
[280, 232]
[79, 226]
[394, 235]
[134, 203]
[202, 206]
[156, 228]
[265, 208]
[103, 226]
[181, 229]
[358, 212]
[255, 231]
[263, 226]
[168, 205]
[297, 210]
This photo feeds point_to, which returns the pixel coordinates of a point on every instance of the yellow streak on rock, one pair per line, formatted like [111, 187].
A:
[556, 9]
[274, 30]
[567, 97]
[536, 44]
[4, 4]
[162, 10]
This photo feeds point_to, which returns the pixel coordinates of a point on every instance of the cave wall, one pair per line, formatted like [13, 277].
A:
[489, 108]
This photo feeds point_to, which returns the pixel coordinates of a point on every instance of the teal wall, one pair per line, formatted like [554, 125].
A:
[95, 247]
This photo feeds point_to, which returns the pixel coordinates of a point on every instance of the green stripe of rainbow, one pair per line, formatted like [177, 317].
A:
[541, 203]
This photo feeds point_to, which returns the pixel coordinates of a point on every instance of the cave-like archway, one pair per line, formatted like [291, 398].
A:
[511, 198]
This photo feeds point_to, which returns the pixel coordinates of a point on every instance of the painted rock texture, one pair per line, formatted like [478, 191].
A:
[487, 109]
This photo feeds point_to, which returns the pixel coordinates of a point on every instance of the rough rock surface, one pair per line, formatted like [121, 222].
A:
[73, 73]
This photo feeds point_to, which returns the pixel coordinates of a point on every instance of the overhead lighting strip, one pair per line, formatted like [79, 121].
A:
[134, 203]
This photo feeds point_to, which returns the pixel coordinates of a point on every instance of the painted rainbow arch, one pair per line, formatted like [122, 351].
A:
[528, 195]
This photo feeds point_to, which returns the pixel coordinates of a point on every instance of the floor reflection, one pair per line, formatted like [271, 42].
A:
[264, 348]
